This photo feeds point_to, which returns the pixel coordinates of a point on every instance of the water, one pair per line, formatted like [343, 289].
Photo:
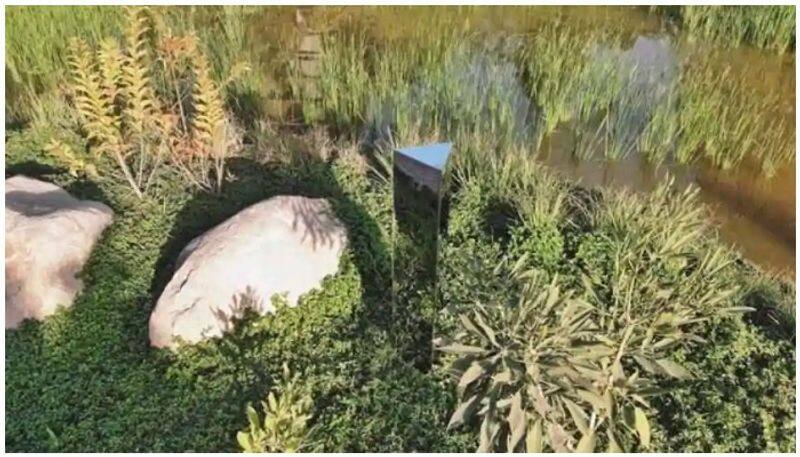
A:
[755, 214]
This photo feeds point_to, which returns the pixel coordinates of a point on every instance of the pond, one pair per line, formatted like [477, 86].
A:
[753, 212]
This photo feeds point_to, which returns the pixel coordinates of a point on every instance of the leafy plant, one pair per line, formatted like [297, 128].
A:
[284, 428]
[743, 399]
[568, 372]
[125, 116]
[76, 163]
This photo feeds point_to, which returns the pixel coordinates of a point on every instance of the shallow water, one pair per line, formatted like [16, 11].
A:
[753, 213]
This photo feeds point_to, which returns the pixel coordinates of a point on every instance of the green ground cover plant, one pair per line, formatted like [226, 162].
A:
[694, 345]
[353, 365]
[102, 369]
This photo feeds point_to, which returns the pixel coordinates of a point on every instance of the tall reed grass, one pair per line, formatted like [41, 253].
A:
[712, 115]
[514, 90]
[37, 39]
[36, 44]
[768, 27]
[440, 86]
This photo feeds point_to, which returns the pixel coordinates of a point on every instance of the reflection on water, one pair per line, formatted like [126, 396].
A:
[755, 214]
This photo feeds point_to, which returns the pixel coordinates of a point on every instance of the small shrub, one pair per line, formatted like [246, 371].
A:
[595, 255]
[285, 423]
[543, 244]
[650, 277]
[556, 370]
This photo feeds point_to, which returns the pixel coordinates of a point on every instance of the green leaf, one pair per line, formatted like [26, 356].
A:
[463, 412]
[469, 325]
[577, 416]
[737, 309]
[593, 351]
[558, 437]
[488, 430]
[486, 329]
[586, 443]
[52, 439]
[664, 294]
[674, 369]
[666, 319]
[273, 402]
[552, 299]
[642, 427]
[473, 373]
[592, 398]
[244, 441]
[664, 343]
[503, 377]
[613, 444]
[517, 421]
[647, 364]
[617, 372]
[252, 417]
[629, 417]
[533, 440]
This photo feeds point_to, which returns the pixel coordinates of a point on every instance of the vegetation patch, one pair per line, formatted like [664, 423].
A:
[570, 318]
[647, 268]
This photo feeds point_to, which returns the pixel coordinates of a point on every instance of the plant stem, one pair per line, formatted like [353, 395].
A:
[127, 172]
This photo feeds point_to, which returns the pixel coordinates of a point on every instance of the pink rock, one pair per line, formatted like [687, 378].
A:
[283, 245]
[49, 236]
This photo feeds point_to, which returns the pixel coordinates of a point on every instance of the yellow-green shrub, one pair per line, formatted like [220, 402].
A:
[131, 98]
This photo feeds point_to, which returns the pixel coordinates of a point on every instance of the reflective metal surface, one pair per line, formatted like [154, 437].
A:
[419, 175]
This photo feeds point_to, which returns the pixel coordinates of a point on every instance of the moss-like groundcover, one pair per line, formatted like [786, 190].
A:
[86, 379]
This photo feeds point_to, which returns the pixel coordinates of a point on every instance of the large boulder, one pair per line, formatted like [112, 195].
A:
[285, 245]
[49, 236]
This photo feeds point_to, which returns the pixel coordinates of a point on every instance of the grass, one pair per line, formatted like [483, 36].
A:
[38, 36]
[36, 50]
[518, 89]
[86, 379]
[715, 126]
[462, 81]
[409, 90]
[769, 27]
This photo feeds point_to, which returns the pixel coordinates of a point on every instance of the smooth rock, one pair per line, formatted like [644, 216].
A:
[283, 245]
[49, 236]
